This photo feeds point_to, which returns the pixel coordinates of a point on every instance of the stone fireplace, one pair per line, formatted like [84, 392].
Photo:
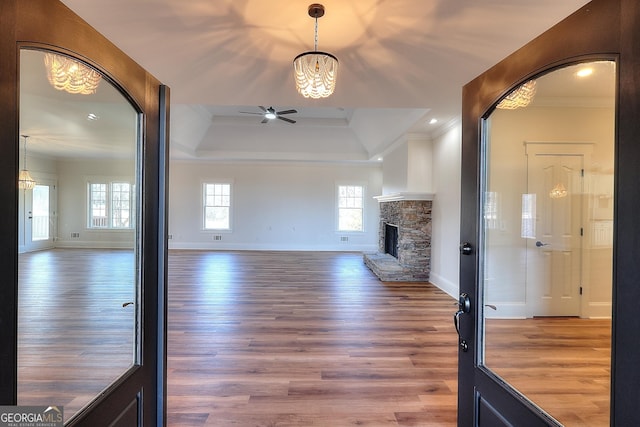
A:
[410, 214]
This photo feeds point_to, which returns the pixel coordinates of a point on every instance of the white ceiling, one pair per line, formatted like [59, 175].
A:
[402, 63]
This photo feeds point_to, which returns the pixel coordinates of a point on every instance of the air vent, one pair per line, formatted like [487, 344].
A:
[344, 239]
[75, 235]
[217, 237]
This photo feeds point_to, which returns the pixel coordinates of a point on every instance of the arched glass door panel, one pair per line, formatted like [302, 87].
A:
[79, 294]
[547, 232]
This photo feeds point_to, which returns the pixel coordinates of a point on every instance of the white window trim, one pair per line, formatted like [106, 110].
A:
[204, 182]
[338, 184]
[109, 180]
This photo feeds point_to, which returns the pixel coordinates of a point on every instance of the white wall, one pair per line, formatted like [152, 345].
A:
[445, 238]
[419, 177]
[394, 169]
[275, 206]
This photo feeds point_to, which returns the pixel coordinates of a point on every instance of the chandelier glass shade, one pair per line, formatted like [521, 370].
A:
[70, 75]
[520, 97]
[25, 182]
[315, 72]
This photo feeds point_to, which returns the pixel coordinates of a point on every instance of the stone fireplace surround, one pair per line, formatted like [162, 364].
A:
[411, 212]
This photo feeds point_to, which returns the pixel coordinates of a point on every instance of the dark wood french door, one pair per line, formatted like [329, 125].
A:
[136, 208]
[603, 33]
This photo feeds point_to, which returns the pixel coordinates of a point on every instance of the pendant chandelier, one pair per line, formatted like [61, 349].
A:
[70, 75]
[25, 182]
[521, 97]
[315, 72]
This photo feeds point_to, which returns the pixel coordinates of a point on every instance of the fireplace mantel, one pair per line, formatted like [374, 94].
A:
[404, 196]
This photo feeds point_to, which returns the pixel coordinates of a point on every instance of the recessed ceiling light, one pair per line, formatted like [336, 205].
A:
[379, 159]
[92, 116]
[584, 72]
[433, 121]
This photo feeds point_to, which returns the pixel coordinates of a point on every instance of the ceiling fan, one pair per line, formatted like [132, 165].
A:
[270, 114]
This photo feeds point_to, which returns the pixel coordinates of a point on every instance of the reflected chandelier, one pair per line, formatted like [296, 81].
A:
[25, 182]
[521, 97]
[70, 75]
[558, 191]
[315, 72]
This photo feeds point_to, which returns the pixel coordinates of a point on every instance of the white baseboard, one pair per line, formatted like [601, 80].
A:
[599, 310]
[445, 285]
[87, 244]
[212, 246]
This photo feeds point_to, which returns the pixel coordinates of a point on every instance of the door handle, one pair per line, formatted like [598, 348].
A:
[464, 306]
[540, 244]
[466, 248]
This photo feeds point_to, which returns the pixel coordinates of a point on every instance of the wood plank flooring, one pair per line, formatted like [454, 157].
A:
[74, 336]
[563, 364]
[305, 339]
[289, 339]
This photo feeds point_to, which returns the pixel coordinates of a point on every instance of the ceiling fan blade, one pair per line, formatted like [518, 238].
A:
[262, 108]
[287, 112]
[286, 119]
[265, 120]
[251, 112]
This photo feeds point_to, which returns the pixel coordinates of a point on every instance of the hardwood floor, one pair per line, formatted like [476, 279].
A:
[305, 339]
[74, 336]
[563, 364]
[289, 339]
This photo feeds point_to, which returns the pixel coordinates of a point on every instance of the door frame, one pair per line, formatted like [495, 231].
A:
[140, 393]
[600, 30]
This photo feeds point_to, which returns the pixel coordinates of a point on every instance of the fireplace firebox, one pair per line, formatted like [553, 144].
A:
[391, 239]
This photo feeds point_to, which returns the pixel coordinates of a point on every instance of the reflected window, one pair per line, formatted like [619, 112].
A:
[491, 210]
[528, 216]
[110, 204]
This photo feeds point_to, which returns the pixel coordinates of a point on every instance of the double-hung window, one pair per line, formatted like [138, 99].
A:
[350, 208]
[110, 204]
[217, 206]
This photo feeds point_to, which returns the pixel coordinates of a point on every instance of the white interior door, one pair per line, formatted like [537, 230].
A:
[554, 248]
[39, 216]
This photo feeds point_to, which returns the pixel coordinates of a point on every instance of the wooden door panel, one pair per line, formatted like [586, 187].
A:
[601, 30]
[50, 25]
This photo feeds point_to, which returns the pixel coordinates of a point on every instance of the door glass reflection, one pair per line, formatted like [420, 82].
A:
[547, 252]
[78, 249]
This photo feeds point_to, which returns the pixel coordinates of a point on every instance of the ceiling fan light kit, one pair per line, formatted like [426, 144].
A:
[270, 113]
[315, 72]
